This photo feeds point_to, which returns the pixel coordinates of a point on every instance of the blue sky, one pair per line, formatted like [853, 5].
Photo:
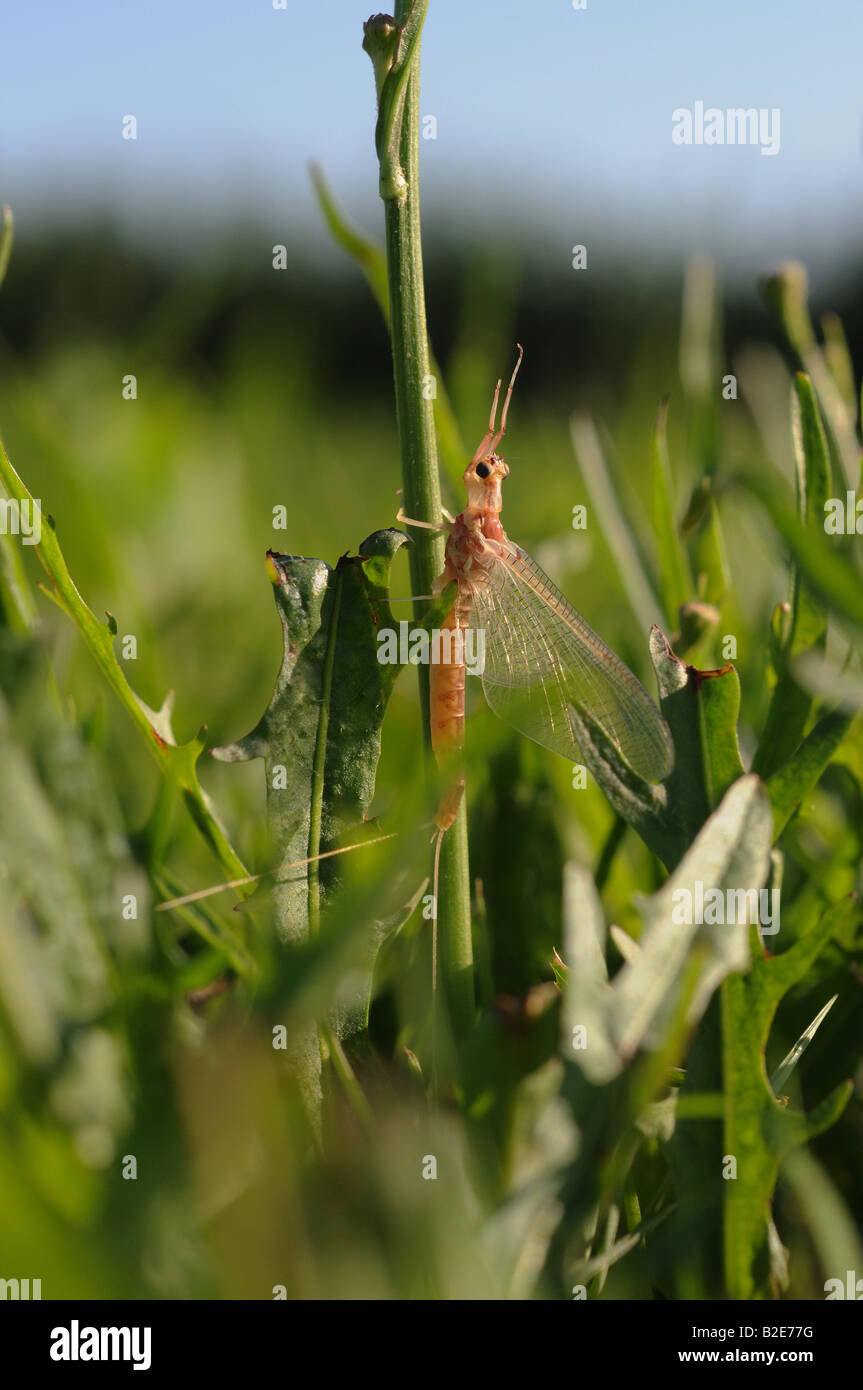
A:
[555, 120]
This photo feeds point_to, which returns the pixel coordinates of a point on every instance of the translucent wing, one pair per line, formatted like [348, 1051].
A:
[542, 660]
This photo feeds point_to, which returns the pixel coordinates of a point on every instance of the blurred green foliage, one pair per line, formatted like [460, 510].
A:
[151, 1036]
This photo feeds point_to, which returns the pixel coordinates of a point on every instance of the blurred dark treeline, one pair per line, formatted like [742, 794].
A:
[585, 329]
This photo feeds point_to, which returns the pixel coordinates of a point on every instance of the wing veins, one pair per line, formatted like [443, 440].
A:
[522, 609]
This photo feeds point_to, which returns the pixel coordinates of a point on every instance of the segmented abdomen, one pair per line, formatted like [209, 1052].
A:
[446, 712]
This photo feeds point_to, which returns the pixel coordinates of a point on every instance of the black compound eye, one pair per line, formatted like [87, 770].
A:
[482, 470]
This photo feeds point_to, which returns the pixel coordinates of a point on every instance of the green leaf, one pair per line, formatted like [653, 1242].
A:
[677, 964]
[320, 736]
[699, 358]
[711, 561]
[834, 1231]
[53, 966]
[789, 711]
[697, 620]
[812, 461]
[224, 937]
[699, 330]
[832, 576]
[370, 257]
[675, 578]
[786, 293]
[616, 529]
[794, 781]
[839, 360]
[7, 234]
[718, 708]
[701, 708]
[362, 249]
[16, 599]
[732, 1209]
[642, 805]
[176, 762]
[67, 945]
[759, 1131]
[393, 62]
[791, 704]
[732, 850]
[790, 1060]
[637, 1026]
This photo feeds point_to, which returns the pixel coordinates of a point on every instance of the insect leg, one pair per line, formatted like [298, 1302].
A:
[426, 525]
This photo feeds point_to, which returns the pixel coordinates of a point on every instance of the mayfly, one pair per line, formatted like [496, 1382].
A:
[544, 667]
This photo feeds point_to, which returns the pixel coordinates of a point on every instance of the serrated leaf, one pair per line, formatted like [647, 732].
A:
[320, 736]
[732, 851]
[758, 1131]
[679, 963]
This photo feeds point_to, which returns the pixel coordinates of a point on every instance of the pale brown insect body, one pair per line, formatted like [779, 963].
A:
[545, 667]
[472, 548]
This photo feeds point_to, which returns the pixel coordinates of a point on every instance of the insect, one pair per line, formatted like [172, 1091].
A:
[544, 666]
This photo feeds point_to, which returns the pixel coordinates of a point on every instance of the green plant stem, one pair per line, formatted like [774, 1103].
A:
[317, 804]
[421, 499]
